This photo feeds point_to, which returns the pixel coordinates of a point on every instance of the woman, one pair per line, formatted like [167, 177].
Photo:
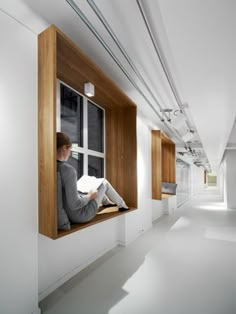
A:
[81, 208]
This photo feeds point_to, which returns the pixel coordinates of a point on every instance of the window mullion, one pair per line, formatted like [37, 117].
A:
[94, 153]
[58, 102]
[85, 134]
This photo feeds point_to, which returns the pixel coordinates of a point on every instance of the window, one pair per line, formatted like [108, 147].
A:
[83, 121]
[95, 128]
[77, 161]
[71, 117]
[95, 166]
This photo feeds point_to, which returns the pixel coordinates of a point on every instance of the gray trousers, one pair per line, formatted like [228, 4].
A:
[106, 195]
[105, 191]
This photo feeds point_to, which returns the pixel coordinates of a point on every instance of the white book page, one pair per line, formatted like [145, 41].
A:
[87, 184]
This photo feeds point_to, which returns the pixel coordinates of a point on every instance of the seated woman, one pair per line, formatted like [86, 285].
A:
[81, 208]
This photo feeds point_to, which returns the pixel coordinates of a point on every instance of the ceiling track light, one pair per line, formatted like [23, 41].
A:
[116, 60]
[112, 34]
[188, 136]
[167, 113]
[178, 112]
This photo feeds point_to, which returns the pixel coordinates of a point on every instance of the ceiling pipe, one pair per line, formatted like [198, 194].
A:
[163, 62]
[164, 65]
[102, 19]
[105, 46]
[123, 51]
[103, 43]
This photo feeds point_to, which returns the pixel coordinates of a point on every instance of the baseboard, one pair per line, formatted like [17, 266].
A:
[66, 277]
[183, 202]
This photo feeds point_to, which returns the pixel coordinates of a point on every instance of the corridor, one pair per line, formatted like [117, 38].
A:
[184, 265]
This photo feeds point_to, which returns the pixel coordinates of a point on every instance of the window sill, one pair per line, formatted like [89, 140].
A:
[108, 213]
[165, 195]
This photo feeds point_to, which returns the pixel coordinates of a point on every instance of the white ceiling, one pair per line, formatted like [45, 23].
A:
[202, 39]
[198, 41]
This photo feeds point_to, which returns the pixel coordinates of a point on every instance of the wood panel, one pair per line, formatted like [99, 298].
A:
[75, 68]
[165, 139]
[101, 216]
[172, 164]
[156, 165]
[168, 163]
[47, 133]
[163, 162]
[114, 149]
[121, 153]
[129, 155]
[60, 58]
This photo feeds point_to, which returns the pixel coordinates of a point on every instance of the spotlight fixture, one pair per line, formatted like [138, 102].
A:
[167, 112]
[89, 89]
[179, 122]
[178, 112]
[188, 136]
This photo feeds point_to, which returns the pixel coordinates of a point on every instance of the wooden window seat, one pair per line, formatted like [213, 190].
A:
[60, 58]
[164, 196]
[105, 214]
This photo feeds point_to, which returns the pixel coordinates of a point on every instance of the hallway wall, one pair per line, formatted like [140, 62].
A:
[61, 259]
[183, 175]
[26, 256]
[197, 179]
[230, 178]
[18, 167]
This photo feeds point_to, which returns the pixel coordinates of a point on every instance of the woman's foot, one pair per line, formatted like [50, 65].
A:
[108, 205]
[123, 209]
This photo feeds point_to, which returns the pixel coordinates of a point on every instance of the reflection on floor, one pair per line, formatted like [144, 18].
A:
[182, 198]
[184, 265]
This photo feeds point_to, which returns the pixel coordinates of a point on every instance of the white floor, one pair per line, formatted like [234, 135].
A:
[184, 265]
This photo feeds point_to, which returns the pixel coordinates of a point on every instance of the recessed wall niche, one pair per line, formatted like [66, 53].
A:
[59, 58]
[163, 163]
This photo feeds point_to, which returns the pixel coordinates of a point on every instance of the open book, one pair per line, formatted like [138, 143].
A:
[88, 183]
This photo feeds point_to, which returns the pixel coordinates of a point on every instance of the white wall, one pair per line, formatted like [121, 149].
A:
[58, 260]
[144, 173]
[230, 178]
[21, 254]
[197, 179]
[183, 175]
[21, 249]
[18, 168]
[61, 259]
[220, 179]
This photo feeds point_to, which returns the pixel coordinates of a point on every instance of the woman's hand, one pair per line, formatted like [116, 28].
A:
[92, 195]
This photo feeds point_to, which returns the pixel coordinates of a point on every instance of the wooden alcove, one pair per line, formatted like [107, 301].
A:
[59, 57]
[163, 163]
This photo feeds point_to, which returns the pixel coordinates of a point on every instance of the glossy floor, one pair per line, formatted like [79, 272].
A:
[184, 265]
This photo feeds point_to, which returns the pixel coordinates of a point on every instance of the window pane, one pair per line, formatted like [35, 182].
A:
[76, 160]
[95, 166]
[95, 128]
[72, 115]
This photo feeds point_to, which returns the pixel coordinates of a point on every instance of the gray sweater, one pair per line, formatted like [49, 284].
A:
[79, 208]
